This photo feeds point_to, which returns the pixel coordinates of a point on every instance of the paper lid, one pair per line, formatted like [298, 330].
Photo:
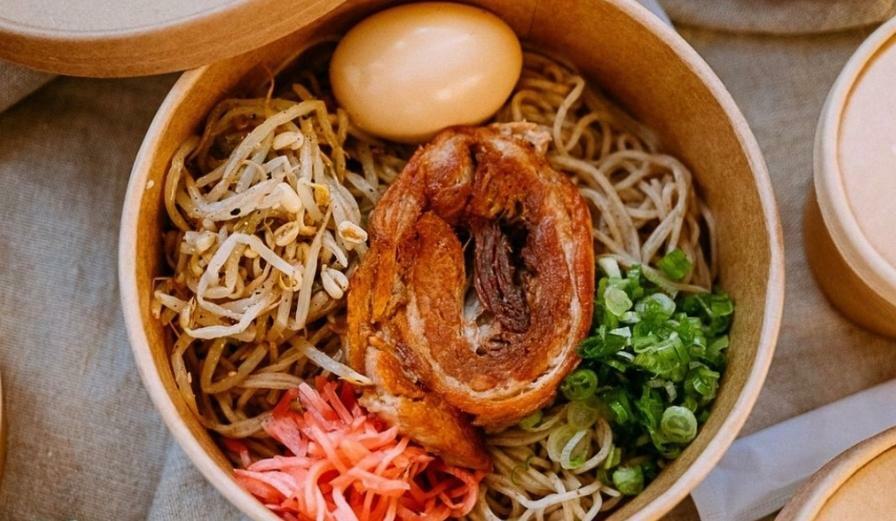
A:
[855, 162]
[858, 484]
[867, 494]
[106, 38]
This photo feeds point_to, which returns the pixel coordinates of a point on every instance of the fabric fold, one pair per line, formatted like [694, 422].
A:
[17, 82]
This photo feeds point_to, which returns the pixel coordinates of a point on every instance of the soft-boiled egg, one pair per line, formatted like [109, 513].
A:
[407, 72]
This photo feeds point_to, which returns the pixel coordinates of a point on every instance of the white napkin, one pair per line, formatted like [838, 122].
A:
[760, 472]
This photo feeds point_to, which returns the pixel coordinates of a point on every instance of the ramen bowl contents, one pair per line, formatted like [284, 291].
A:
[407, 72]
[279, 215]
[455, 294]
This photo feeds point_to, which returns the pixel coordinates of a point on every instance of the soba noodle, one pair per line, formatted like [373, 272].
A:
[527, 483]
[643, 201]
[268, 208]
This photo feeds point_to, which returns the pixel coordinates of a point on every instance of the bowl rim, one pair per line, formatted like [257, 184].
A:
[812, 497]
[840, 220]
[130, 302]
[667, 499]
[169, 44]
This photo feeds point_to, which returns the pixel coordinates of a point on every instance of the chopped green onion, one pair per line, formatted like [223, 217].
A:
[630, 317]
[618, 337]
[530, 422]
[650, 405]
[720, 305]
[719, 343]
[703, 381]
[603, 344]
[679, 425]
[643, 341]
[657, 307]
[671, 391]
[575, 452]
[558, 438]
[675, 265]
[598, 405]
[581, 414]
[668, 360]
[629, 480]
[596, 348]
[633, 277]
[714, 353]
[704, 415]
[628, 357]
[624, 332]
[580, 384]
[613, 458]
[690, 330]
[655, 277]
[616, 364]
[620, 404]
[610, 267]
[715, 308]
[617, 301]
[658, 357]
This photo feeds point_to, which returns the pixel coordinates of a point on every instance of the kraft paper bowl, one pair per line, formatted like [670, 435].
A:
[850, 213]
[857, 484]
[638, 60]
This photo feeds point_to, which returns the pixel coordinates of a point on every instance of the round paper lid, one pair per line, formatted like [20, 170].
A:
[858, 484]
[106, 38]
[855, 172]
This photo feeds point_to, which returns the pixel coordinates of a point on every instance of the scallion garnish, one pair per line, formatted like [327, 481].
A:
[579, 385]
[531, 422]
[675, 265]
[678, 425]
[629, 480]
[658, 357]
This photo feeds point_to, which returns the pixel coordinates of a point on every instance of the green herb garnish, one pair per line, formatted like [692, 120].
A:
[629, 480]
[675, 265]
[579, 385]
[679, 425]
[658, 357]
[531, 422]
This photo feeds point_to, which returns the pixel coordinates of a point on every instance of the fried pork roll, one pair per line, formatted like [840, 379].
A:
[477, 288]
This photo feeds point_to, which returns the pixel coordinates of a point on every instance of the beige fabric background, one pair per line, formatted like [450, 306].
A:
[83, 439]
[780, 16]
[17, 82]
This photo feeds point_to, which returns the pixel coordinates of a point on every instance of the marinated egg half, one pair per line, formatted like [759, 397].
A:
[407, 72]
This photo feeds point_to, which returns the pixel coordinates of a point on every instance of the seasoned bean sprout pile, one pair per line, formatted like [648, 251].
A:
[268, 223]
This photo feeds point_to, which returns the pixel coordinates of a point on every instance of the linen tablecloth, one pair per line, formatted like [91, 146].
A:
[84, 441]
